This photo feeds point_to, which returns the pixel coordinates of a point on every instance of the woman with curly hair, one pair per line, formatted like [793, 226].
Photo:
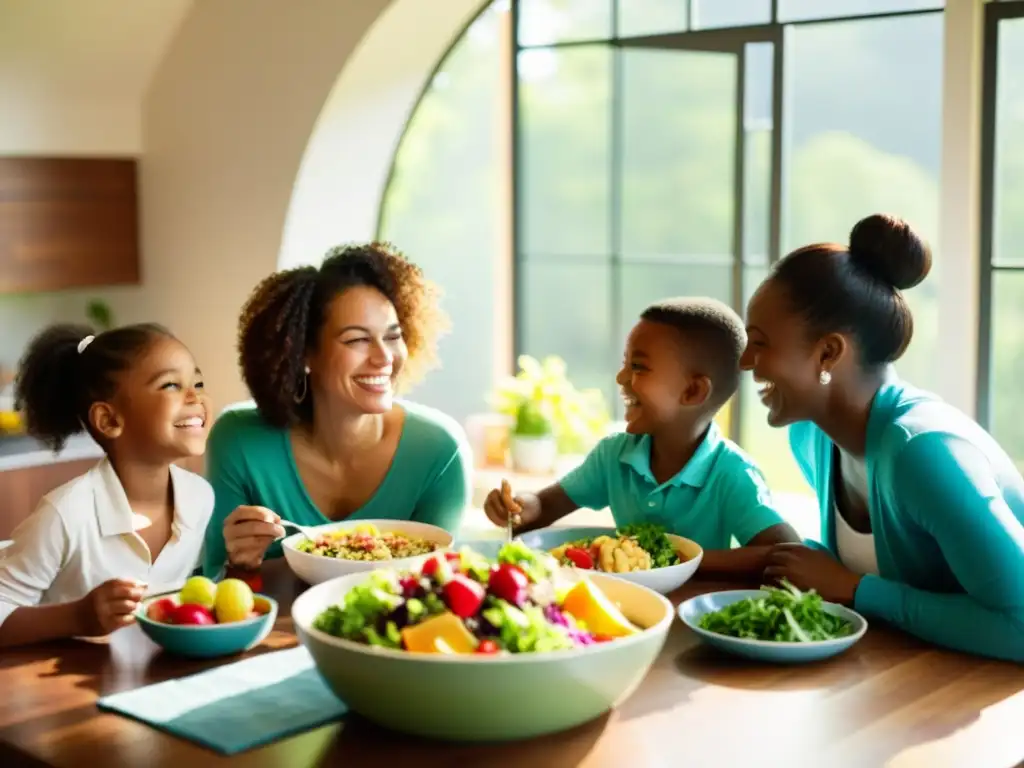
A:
[323, 352]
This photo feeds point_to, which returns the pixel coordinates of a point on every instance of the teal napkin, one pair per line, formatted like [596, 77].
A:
[237, 706]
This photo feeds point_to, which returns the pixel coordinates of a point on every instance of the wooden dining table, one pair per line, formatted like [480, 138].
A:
[891, 700]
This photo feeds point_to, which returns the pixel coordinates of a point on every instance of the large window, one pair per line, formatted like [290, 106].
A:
[703, 141]
[666, 147]
[444, 207]
[1002, 319]
[863, 125]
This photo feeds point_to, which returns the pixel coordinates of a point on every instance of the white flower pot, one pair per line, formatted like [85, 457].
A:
[533, 455]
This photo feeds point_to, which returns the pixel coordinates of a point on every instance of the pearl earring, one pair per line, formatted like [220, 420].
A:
[825, 378]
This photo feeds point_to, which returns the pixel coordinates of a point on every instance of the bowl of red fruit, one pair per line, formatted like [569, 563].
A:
[465, 647]
[207, 619]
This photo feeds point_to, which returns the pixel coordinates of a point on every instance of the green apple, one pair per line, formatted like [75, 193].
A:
[198, 590]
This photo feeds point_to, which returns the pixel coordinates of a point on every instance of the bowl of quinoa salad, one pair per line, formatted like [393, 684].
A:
[361, 545]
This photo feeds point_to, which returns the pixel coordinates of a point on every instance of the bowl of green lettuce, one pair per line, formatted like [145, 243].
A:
[530, 670]
[782, 625]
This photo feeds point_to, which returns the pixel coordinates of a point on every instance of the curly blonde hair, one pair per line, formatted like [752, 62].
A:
[282, 319]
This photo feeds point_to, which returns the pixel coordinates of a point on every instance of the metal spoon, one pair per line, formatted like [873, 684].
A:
[309, 533]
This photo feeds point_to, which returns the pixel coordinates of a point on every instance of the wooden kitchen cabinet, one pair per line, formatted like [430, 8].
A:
[68, 223]
[21, 489]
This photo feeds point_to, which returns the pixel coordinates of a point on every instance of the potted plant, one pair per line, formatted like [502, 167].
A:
[100, 315]
[577, 418]
[533, 445]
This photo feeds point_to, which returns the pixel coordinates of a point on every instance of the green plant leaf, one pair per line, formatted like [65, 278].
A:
[577, 418]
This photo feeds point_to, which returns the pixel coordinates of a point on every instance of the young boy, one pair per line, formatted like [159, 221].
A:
[671, 465]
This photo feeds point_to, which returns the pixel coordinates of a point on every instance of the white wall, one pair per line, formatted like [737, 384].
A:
[226, 125]
[71, 84]
[37, 124]
[225, 128]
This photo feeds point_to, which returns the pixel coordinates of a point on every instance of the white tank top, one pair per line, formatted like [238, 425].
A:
[856, 550]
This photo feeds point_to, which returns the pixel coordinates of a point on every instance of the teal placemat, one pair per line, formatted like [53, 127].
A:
[238, 706]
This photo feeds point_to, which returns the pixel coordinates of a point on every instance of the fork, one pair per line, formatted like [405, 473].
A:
[513, 517]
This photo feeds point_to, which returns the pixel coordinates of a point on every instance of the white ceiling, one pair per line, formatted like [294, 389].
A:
[101, 51]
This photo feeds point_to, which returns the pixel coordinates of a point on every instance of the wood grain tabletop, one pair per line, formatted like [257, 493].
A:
[889, 701]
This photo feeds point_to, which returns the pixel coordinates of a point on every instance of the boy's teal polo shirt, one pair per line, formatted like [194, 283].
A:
[718, 495]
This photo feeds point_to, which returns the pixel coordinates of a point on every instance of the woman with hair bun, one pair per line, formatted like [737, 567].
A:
[922, 512]
[324, 351]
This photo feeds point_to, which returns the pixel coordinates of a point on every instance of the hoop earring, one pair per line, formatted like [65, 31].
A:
[825, 378]
[305, 387]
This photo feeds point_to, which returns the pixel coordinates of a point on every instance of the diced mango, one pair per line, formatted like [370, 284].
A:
[444, 633]
[587, 603]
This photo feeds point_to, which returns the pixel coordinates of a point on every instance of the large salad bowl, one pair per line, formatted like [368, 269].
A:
[474, 697]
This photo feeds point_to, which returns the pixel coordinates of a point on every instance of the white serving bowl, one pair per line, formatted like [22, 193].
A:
[469, 697]
[314, 569]
[663, 580]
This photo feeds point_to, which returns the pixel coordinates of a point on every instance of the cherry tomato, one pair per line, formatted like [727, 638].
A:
[430, 566]
[488, 646]
[580, 557]
[463, 595]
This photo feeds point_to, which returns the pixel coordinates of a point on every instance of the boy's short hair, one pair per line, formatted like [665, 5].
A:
[715, 334]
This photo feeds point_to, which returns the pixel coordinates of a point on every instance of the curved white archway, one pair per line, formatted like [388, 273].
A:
[346, 164]
[227, 126]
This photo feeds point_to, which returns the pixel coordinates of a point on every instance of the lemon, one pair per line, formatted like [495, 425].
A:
[10, 421]
[198, 590]
[590, 605]
[234, 601]
[368, 528]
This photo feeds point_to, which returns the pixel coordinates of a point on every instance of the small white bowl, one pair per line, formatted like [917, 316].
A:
[669, 579]
[662, 580]
[315, 569]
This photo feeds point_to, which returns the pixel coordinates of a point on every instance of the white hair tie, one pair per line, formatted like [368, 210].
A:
[84, 343]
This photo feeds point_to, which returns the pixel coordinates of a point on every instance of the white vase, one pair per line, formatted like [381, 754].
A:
[533, 455]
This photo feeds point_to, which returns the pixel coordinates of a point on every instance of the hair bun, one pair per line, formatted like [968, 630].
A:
[887, 248]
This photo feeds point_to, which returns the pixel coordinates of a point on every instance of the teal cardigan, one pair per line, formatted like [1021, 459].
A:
[947, 512]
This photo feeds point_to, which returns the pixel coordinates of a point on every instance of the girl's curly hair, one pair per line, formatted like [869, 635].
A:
[282, 319]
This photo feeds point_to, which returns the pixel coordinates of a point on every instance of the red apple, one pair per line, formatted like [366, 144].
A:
[162, 610]
[192, 614]
[253, 578]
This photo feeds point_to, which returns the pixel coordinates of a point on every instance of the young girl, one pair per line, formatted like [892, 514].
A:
[134, 523]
